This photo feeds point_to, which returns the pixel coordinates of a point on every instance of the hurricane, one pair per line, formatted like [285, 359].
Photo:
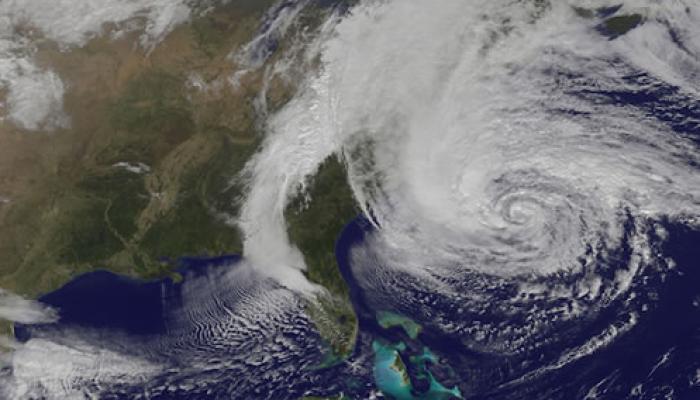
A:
[514, 161]
[502, 145]
[528, 178]
[500, 141]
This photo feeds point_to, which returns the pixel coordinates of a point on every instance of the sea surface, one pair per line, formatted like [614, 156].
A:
[661, 352]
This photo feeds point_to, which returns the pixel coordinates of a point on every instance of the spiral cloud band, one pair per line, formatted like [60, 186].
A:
[489, 143]
[520, 161]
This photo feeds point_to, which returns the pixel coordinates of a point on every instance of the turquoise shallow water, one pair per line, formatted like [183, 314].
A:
[388, 319]
[431, 362]
[390, 371]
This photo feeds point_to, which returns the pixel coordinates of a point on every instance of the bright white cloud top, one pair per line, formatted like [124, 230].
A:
[481, 137]
[475, 159]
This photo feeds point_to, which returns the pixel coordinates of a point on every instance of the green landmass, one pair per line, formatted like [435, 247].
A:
[315, 219]
[149, 169]
[6, 329]
[145, 172]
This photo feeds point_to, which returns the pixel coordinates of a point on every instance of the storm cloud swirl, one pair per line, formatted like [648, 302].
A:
[518, 158]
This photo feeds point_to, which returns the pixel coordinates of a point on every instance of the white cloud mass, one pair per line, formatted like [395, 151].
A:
[35, 95]
[17, 309]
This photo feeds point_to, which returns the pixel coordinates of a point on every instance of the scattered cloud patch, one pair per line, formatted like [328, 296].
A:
[34, 96]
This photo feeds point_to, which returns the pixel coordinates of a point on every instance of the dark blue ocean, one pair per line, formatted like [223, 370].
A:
[657, 358]
[107, 301]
